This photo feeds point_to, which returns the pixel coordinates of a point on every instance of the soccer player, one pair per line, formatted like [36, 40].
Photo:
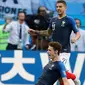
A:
[55, 69]
[62, 26]
[60, 29]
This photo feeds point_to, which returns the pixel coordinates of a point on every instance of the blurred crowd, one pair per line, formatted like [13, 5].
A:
[15, 35]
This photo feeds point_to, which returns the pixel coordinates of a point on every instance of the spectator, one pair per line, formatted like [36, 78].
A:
[18, 32]
[4, 36]
[39, 22]
[80, 44]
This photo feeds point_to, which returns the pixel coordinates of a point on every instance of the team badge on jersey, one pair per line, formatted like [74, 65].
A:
[51, 66]
[63, 23]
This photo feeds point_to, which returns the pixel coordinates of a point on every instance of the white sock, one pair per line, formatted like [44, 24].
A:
[77, 81]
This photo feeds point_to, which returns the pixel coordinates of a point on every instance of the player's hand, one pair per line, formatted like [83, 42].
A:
[31, 31]
[73, 40]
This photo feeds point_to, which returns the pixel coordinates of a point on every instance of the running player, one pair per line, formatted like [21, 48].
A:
[60, 29]
[55, 69]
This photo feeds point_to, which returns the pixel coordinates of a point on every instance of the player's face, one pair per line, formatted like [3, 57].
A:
[61, 8]
[51, 52]
[21, 16]
[42, 11]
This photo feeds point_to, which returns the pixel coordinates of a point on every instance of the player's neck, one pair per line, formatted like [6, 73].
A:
[61, 16]
[56, 59]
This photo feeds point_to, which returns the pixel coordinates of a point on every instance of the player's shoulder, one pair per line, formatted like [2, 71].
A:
[58, 63]
[71, 19]
[61, 66]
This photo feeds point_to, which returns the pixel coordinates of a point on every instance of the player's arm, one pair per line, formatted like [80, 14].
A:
[43, 32]
[47, 32]
[64, 81]
[63, 78]
[77, 36]
[74, 28]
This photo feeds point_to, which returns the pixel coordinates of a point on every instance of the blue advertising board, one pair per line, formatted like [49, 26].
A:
[25, 67]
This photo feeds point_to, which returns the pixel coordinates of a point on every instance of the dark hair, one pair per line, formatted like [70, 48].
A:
[56, 46]
[38, 11]
[22, 12]
[62, 1]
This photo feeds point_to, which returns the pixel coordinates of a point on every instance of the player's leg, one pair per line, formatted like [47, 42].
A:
[73, 77]
[63, 81]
